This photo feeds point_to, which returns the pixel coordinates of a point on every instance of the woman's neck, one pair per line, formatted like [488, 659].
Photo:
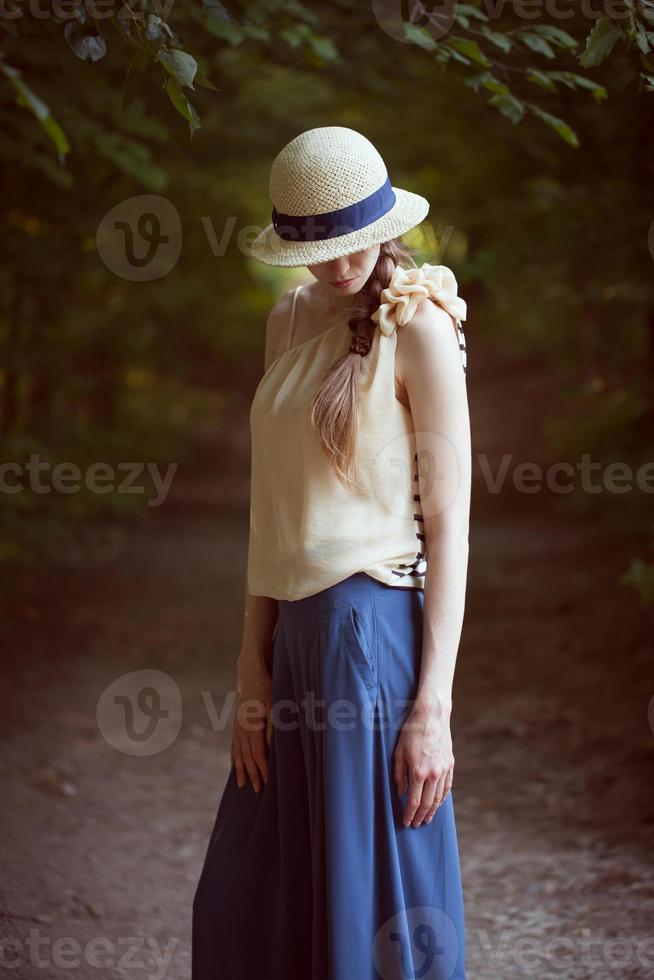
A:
[329, 301]
[317, 311]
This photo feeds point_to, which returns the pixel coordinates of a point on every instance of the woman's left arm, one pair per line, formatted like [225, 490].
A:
[428, 361]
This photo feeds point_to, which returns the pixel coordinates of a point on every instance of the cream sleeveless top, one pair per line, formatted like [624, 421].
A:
[307, 531]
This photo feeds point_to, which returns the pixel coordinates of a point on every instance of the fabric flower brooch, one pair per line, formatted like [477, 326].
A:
[408, 287]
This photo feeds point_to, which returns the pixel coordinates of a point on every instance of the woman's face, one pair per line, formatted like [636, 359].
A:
[353, 271]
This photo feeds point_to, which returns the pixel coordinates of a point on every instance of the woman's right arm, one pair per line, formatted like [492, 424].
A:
[253, 711]
[253, 715]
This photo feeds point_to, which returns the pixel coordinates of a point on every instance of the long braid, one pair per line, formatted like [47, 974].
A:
[335, 407]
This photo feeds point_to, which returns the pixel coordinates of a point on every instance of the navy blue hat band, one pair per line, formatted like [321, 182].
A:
[318, 227]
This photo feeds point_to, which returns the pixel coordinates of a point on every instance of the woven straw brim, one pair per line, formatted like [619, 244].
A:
[407, 212]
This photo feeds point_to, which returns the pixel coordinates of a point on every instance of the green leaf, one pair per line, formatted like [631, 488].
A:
[157, 29]
[85, 41]
[220, 22]
[26, 98]
[640, 575]
[296, 10]
[642, 39]
[541, 78]
[419, 36]
[570, 79]
[558, 125]
[488, 81]
[180, 65]
[509, 106]
[214, 8]
[470, 49]
[469, 11]
[451, 53]
[536, 43]
[182, 104]
[600, 42]
[556, 35]
[256, 32]
[56, 134]
[323, 47]
[205, 82]
[565, 77]
[292, 36]
[649, 82]
[499, 40]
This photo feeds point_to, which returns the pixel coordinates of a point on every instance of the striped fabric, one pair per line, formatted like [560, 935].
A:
[416, 569]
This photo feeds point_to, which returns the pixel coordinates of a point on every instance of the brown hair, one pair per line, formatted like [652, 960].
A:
[334, 410]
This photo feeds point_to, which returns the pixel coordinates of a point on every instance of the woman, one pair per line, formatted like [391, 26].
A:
[334, 852]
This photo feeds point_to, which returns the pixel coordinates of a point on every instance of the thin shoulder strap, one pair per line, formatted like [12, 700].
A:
[292, 317]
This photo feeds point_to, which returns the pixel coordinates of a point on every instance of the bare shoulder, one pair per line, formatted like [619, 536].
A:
[429, 322]
[277, 324]
[430, 336]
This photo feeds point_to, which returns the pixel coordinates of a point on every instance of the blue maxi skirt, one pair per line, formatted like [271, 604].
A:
[315, 877]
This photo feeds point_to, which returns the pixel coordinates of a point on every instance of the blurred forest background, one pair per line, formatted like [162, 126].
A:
[136, 144]
[531, 134]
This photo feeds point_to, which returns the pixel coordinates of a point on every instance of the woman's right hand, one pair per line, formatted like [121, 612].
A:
[252, 731]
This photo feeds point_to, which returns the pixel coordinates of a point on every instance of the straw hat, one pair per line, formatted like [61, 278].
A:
[332, 196]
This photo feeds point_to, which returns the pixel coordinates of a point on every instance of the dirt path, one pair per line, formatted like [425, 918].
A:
[101, 849]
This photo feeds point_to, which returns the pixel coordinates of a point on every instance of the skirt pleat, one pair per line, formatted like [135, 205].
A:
[315, 877]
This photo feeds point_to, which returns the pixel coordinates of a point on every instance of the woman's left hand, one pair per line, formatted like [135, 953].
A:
[423, 763]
